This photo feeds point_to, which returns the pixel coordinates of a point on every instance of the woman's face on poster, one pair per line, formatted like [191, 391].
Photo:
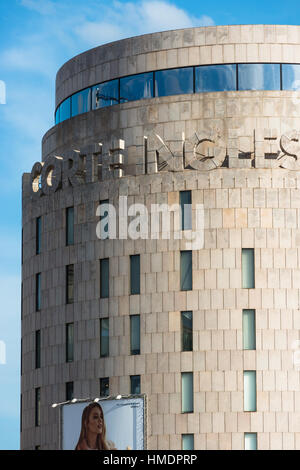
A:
[95, 422]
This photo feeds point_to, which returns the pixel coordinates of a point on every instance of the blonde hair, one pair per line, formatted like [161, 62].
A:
[101, 443]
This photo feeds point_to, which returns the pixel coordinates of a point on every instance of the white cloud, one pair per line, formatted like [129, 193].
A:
[143, 17]
[44, 7]
[32, 54]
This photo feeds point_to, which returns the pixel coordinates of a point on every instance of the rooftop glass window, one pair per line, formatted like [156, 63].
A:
[197, 79]
[215, 78]
[65, 110]
[105, 94]
[81, 102]
[290, 77]
[259, 76]
[57, 116]
[174, 82]
[136, 87]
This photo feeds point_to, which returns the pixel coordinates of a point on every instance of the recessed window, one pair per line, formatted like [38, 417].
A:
[291, 77]
[187, 392]
[135, 334]
[136, 87]
[134, 274]
[249, 331]
[104, 387]
[186, 209]
[250, 440]
[81, 102]
[187, 441]
[38, 232]
[57, 116]
[186, 276]
[187, 331]
[249, 390]
[259, 76]
[248, 268]
[105, 94]
[65, 110]
[104, 337]
[70, 226]
[104, 278]
[38, 287]
[174, 81]
[69, 391]
[70, 283]
[215, 78]
[37, 407]
[135, 384]
[38, 349]
[70, 342]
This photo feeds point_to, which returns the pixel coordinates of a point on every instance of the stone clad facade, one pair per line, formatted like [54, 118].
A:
[249, 202]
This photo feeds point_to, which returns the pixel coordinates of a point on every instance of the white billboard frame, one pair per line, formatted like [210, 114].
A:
[101, 401]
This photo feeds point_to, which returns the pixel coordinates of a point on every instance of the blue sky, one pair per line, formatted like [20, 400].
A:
[36, 38]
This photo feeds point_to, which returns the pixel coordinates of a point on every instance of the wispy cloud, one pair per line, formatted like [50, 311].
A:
[44, 7]
[143, 17]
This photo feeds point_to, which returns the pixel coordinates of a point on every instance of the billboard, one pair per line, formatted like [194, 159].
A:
[113, 424]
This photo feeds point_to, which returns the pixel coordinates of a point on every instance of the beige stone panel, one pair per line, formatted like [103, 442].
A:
[228, 218]
[181, 422]
[238, 441]
[243, 421]
[225, 441]
[275, 441]
[288, 441]
[237, 401]
[193, 424]
[256, 422]
[205, 381]
[212, 442]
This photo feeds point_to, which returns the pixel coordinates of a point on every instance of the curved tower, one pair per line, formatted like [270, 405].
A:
[208, 328]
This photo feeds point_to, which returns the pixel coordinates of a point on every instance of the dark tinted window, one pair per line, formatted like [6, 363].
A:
[57, 116]
[69, 391]
[104, 278]
[135, 274]
[185, 198]
[65, 110]
[186, 331]
[38, 231]
[259, 77]
[215, 78]
[70, 226]
[290, 77]
[135, 334]
[104, 387]
[174, 82]
[37, 406]
[70, 283]
[136, 87]
[38, 291]
[81, 102]
[104, 337]
[135, 384]
[186, 276]
[105, 94]
[70, 342]
[38, 349]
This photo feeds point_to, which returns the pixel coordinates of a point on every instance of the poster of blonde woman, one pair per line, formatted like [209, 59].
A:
[108, 424]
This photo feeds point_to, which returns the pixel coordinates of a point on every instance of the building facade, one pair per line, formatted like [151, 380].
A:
[208, 329]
